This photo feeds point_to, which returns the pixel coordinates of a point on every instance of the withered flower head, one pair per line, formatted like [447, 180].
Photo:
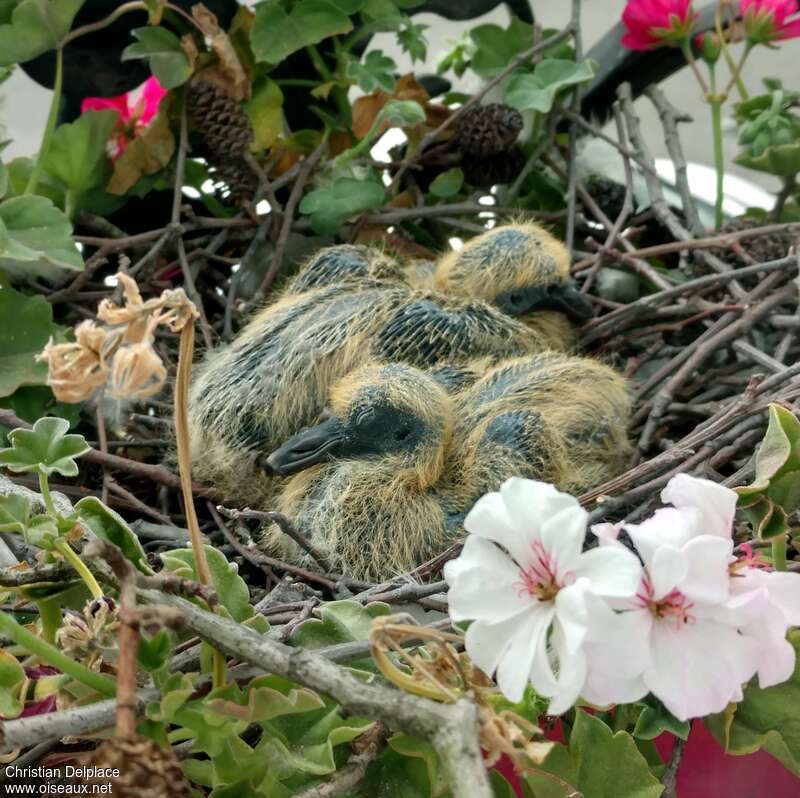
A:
[91, 636]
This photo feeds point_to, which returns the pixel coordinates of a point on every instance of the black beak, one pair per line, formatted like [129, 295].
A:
[308, 447]
[572, 303]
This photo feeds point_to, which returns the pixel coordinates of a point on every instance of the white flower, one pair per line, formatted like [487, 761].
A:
[680, 638]
[532, 601]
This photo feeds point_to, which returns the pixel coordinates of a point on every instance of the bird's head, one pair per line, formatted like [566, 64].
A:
[390, 413]
[520, 268]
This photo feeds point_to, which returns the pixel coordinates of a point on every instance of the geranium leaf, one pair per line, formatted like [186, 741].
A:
[329, 207]
[448, 183]
[598, 763]
[12, 674]
[495, 46]
[111, 526]
[655, 719]
[778, 159]
[277, 33]
[403, 112]
[162, 48]
[77, 154]
[47, 448]
[765, 719]
[27, 326]
[230, 587]
[36, 239]
[147, 154]
[35, 27]
[413, 41]
[376, 71]
[340, 622]
[264, 110]
[154, 651]
[15, 513]
[537, 90]
[265, 702]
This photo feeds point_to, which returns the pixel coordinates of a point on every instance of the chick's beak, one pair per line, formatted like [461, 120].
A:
[313, 445]
[572, 303]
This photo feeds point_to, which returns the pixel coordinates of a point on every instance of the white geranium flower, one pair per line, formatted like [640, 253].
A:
[525, 582]
[680, 638]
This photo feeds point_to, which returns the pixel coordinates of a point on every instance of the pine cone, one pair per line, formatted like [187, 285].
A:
[490, 170]
[239, 180]
[145, 768]
[763, 248]
[607, 194]
[488, 129]
[219, 119]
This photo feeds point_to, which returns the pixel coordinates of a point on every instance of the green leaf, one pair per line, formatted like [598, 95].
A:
[36, 239]
[3, 179]
[77, 154]
[537, 90]
[35, 27]
[277, 34]
[598, 764]
[264, 701]
[343, 621]
[111, 526]
[12, 674]
[412, 41]
[35, 401]
[655, 719]
[375, 72]
[15, 513]
[348, 6]
[448, 184]
[778, 159]
[265, 111]
[403, 113]
[779, 451]
[331, 206]
[230, 587]
[495, 46]
[26, 327]
[168, 61]
[154, 652]
[46, 448]
[765, 719]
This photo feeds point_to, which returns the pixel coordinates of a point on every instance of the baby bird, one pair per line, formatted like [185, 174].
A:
[275, 377]
[385, 482]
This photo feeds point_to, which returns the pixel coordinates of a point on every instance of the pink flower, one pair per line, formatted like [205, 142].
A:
[132, 115]
[767, 20]
[654, 23]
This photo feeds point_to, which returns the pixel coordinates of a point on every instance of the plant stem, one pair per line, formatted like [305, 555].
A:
[52, 116]
[736, 77]
[65, 550]
[185, 352]
[136, 5]
[779, 553]
[50, 655]
[44, 489]
[715, 101]
[692, 62]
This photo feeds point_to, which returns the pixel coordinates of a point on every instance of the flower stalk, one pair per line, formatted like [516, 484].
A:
[65, 550]
[50, 126]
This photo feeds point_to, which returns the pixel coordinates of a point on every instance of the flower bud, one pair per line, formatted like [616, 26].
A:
[708, 46]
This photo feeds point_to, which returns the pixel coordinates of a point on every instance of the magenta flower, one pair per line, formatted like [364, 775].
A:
[132, 116]
[768, 20]
[655, 23]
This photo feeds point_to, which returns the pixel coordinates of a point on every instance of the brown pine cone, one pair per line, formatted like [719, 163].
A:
[219, 119]
[491, 170]
[239, 179]
[487, 129]
[145, 768]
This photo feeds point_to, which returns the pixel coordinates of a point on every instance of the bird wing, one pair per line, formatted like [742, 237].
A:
[429, 330]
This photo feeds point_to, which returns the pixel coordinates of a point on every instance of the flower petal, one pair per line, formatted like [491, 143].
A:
[482, 584]
[613, 571]
[667, 569]
[571, 672]
[529, 637]
[666, 527]
[489, 518]
[784, 593]
[708, 578]
[715, 504]
[572, 613]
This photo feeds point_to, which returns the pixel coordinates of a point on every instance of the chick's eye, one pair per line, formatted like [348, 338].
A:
[515, 299]
[402, 433]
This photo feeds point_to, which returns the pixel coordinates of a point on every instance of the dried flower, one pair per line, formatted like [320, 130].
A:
[656, 23]
[90, 636]
[768, 21]
[133, 115]
[76, 370]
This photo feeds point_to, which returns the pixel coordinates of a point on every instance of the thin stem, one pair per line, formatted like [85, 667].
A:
[52, 116]
[136, 5]
[185, 353]
[726, 53]
[50, 655]
[65, 550]
[716, 131]
[779, 553]
[686, 47]
[736, 77]
[44, 489]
